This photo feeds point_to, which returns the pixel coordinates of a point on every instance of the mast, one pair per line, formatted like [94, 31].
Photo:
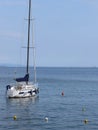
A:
[28, 44]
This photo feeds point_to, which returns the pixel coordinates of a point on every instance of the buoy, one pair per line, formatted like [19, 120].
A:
[14, 117]
[85, 121]
[83, 109]
[46, 119]
[62, 93]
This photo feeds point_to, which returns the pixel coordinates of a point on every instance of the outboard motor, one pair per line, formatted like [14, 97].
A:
[8, 87]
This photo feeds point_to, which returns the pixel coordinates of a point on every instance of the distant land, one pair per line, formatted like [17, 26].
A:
[11, 65]
[15, 65]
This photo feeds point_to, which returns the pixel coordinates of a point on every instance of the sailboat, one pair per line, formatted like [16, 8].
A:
[23, 87]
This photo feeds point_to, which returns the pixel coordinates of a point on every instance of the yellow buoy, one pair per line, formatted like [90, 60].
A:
[83, 109]
[85, 121]
[14, 117]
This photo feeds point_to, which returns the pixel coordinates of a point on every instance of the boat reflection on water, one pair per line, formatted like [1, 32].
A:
[21, 101]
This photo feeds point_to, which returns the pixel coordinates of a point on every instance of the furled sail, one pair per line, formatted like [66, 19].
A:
[21, 79]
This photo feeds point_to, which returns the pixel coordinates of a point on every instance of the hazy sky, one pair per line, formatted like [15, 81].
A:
[65, 32]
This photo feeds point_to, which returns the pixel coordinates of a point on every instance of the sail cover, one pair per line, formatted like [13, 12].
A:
[25, 78]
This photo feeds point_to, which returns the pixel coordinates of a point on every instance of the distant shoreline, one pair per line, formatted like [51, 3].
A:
[15, 66]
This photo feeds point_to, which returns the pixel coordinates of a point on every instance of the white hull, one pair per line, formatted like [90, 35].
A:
[22, 90]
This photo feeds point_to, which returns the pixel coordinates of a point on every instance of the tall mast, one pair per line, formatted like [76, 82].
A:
[28, 44]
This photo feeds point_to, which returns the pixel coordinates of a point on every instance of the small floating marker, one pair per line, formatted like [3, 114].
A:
[14, 117]
[85, 121]
[83, 109]
[62, 93]
[46, 119]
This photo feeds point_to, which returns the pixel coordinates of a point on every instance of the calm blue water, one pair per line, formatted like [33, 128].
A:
[68, 112]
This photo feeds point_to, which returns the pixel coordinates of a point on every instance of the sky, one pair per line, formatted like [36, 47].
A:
[65, 32]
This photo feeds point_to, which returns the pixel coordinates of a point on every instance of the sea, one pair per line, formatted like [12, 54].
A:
[68, 100]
